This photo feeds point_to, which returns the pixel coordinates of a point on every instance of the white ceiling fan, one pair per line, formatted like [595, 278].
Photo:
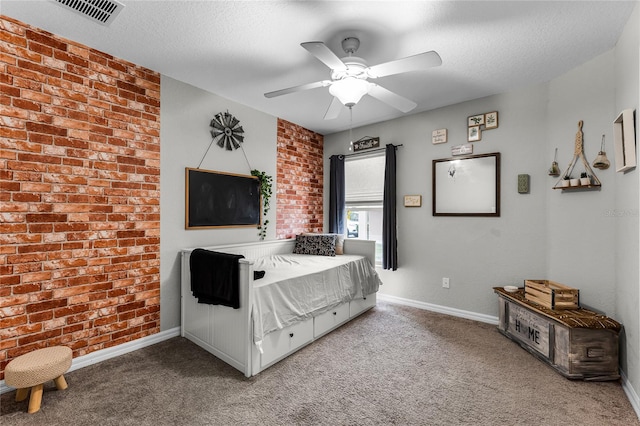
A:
[350, 76]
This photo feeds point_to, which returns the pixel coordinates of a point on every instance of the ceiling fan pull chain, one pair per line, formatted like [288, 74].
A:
[350, 128]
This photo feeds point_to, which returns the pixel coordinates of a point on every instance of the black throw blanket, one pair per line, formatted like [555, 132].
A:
[215, 277]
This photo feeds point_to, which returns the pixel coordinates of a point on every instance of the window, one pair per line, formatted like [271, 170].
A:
[364, 191]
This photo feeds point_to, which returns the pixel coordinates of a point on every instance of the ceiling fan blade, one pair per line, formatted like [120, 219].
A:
[417, 62]
[390, 98]
[324, 54]
[334, 109]
[323, 83]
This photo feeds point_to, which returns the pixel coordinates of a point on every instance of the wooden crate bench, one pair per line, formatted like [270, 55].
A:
[578, 343]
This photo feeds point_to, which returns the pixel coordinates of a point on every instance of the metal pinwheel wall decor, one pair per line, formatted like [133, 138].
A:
[228, 129]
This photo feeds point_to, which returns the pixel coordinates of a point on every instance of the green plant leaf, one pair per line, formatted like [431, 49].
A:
[266, 190]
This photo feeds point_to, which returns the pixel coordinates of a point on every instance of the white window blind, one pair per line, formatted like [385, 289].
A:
[364, 180]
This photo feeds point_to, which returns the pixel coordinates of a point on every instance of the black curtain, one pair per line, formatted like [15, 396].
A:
[389, 223]
[336, 194]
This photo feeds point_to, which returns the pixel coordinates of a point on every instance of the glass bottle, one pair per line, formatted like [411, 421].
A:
[554, 170]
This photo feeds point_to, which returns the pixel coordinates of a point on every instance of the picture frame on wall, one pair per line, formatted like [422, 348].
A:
[439, 136]
[491, 120]
[624, 140]
[413, 200]
[475, 120]
[474, 134]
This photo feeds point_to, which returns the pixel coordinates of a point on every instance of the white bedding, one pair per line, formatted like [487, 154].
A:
[298, 286]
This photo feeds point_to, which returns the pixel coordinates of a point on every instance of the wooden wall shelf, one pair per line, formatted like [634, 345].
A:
[579, 188]
[578, 154]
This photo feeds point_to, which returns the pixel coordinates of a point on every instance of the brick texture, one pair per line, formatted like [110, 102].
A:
[300, 180]
[79, 197]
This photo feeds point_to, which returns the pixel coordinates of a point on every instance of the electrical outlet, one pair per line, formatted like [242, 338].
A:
[445, 282]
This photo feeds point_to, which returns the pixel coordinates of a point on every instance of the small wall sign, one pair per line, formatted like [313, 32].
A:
[439, 136]
[462, 149]
[367, 143]
[413, 200]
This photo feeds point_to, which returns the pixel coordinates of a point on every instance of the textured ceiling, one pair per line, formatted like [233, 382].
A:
[242, 49]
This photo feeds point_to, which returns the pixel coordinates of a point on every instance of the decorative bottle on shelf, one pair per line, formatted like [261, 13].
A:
[601, 162]
[554, 170]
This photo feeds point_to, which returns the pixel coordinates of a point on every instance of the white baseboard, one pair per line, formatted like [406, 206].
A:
[631, 393]
[105, 354]
[440, 309]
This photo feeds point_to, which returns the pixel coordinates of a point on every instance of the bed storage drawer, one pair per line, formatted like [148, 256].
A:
[279, 343]
[328, 320]
[361, 304]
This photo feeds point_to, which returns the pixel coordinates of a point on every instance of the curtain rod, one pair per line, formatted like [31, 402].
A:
[369, 151]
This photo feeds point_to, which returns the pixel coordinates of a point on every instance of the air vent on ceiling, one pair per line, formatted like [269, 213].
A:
[102, 11]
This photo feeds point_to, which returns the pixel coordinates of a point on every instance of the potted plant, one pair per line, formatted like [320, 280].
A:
[566, 181]
[585, 179]
[574, 181]
[266, 183]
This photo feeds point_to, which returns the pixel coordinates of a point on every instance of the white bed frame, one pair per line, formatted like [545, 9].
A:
[227, 333]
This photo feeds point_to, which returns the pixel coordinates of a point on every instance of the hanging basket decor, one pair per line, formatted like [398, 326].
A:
[571, 182]
[228, 129]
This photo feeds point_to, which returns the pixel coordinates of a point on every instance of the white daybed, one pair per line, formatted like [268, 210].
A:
[245, 338]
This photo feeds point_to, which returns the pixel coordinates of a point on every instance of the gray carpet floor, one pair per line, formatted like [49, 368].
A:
[394, 365]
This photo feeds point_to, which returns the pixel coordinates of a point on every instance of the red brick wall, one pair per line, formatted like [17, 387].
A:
[79, 212]
[300, 180]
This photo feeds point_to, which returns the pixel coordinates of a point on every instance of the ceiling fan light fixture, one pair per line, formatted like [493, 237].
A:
[349, 90]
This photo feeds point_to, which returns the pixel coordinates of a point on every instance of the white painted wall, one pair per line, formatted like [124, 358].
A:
[627, 217]
[184, 137]
[475, 253]
[580, 231]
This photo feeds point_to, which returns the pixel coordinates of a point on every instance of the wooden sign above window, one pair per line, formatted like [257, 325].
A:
[366, 143]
